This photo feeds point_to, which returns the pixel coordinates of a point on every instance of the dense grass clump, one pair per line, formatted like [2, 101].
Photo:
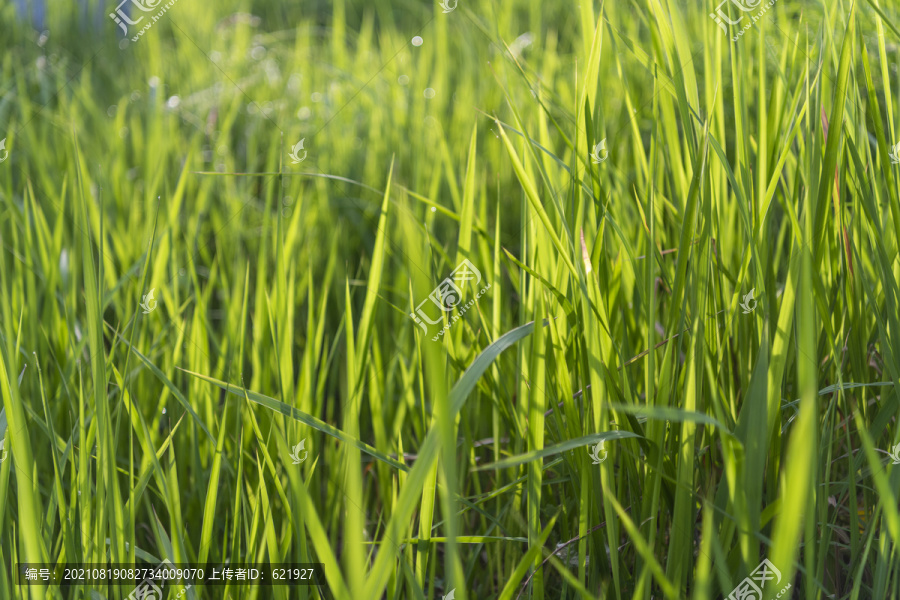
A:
[652, 268]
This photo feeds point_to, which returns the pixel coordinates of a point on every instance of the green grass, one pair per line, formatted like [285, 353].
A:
[613, 310]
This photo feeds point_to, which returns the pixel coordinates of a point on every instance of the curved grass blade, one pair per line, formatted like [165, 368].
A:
[412, 489]
[557, 448]
[298, 415]
[526, 561]
[467, 382]
[667, 413]
[175, 391]
[849, 386]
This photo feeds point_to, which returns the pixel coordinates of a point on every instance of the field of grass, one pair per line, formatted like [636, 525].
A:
[672, 350]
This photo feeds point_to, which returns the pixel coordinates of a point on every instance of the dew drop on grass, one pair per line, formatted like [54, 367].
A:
[429, 93]
[417, 41]
[403, 80]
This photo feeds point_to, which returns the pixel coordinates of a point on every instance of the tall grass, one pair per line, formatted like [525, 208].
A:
[614, 312]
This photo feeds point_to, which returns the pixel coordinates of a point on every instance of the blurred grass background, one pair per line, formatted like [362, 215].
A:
[614, 311]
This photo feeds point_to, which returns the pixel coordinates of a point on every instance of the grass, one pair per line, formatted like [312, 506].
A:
[613, 312]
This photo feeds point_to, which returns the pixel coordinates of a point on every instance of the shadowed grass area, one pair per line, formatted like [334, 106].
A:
[553, 301]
